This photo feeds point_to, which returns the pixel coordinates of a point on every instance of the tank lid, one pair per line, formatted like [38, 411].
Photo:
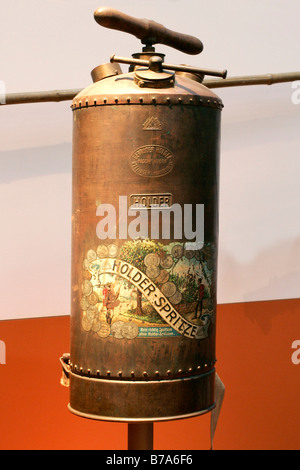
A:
[123, 90]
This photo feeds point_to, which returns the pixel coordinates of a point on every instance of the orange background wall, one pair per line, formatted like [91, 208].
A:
[261, 409]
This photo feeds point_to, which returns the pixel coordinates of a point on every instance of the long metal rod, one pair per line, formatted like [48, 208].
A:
[39, 96]
[68, 95]
[140, 436]
[267, 79]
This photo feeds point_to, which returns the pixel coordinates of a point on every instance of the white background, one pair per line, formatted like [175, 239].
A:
[52, 44]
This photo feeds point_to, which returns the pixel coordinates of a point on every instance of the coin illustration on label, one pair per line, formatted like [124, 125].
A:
[86, 323]
[84, 303]
[152, 259]
[152, 271]
[189, 254]
[166, 262]
[104, 330]
[121, 330]
[168, 289]
[87, 287]
[112, 251]
[163, 277]
[96, 325]
[152, 160]
[116, 329]
[130, 330]
[85, 264]
[93, 298]
[92, 312]
[87, 275]
[177, 251]
[91, 255]
[102, 251]
[176, 298]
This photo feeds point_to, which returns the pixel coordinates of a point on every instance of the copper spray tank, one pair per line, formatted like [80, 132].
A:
[143, 310]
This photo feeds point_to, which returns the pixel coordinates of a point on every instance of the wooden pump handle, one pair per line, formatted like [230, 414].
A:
[148, 31]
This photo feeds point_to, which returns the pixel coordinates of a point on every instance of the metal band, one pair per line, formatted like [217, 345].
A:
[146, 375]
[142, 400]
[142, 420]
[147, 99]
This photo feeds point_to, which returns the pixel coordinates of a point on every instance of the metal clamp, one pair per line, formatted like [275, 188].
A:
[65, 377]
[156, 64]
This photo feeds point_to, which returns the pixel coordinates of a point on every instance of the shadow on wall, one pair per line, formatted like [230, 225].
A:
[36, 161]
[274, 274]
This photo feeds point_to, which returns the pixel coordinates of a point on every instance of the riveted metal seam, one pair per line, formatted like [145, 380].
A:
[145, 100]
[157, 375]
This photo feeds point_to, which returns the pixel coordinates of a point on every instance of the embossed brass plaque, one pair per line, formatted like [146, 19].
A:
[152, 160]
[147, 201]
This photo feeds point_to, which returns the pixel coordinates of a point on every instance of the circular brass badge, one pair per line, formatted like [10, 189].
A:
[152, 160]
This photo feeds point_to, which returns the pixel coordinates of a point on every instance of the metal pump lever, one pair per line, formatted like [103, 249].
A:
[148, 31]
[156, 64]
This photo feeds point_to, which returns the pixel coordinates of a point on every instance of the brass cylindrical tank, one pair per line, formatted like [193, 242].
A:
[144, 245]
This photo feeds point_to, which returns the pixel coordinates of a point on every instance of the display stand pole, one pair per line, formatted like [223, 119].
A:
[140, 436]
